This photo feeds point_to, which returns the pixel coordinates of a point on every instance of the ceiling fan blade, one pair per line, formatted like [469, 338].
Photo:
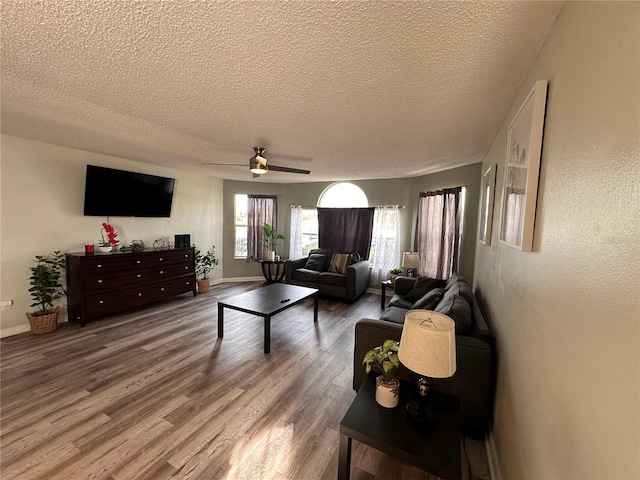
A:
[276, 168]
[222, 165]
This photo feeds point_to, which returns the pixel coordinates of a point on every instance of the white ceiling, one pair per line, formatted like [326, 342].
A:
[350, 90]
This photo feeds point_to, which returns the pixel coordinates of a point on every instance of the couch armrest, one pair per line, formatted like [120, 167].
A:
[403, 285]
[357, 279]
[370, 333]
[292, 265]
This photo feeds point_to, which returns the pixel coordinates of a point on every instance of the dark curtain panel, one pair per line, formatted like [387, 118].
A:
[437, 239]
[346, 230]
[262, 209]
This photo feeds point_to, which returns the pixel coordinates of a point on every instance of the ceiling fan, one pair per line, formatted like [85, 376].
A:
[259, 165]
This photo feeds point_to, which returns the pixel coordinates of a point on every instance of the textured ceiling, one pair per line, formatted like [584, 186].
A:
[349, 90]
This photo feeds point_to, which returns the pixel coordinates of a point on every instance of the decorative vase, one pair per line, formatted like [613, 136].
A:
[271, 256]
[105, 249]
[204, 285]
[387, 394]
[137, 245]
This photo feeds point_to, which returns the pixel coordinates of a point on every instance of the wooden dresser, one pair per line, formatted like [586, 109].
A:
[102, 284]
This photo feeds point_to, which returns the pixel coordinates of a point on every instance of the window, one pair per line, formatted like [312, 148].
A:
[241, 216]
[309, 230]
[343, 195]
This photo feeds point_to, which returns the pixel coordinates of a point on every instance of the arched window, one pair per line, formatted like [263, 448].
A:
[343, 195]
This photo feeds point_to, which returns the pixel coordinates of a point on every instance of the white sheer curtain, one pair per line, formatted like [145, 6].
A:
[295, 232]
[385, 243]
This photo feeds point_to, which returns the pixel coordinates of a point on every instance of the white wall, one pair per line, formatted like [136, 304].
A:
[567, 315]
[42, 200]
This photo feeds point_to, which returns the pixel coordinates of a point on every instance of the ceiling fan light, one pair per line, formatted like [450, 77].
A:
[257, 167]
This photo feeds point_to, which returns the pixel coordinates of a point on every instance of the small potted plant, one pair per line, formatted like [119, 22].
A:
[204, 264]
[394, 272]
[112, 239]
[45, 288]
[269, 241]
[385, 359]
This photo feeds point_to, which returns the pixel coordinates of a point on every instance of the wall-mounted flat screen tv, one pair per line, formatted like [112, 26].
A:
[118, 193]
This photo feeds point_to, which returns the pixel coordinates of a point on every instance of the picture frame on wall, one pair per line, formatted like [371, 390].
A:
[486, 204]
[520, 190]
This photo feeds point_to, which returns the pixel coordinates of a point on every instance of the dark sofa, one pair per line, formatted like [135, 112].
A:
[474, 342]
[315, 271]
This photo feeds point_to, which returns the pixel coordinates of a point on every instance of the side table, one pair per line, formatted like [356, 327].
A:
[437, 450]
[271, 274]
[383, 298]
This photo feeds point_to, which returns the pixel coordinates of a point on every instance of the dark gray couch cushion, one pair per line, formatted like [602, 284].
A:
[458, 286]
[400, 301]
[458, 309]
[429, 300]
[317, 262]
[329, 278]
[305, 275]
[394, 314]
[421, 287]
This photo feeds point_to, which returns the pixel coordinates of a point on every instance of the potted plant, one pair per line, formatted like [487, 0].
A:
[45, 288]
[385, 359]
[204, 264]
[394, 272]
[269, 241]
[112, 239]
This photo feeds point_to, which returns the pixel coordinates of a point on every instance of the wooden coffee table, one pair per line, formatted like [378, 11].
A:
[266, 302]
[436, 451]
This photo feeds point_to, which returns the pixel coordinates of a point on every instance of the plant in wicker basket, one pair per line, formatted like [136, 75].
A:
[45, 289]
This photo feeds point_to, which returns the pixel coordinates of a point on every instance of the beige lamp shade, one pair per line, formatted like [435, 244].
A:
[428, 344]
[410, 260]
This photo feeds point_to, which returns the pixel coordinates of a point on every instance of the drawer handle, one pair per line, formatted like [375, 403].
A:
[186, 255]
[138, 261]
[138, 275]
[187, 267]
[161, 259]
[162, 289]
[99, 265]
[101, 302]
[161, 272]
[100, 281]
[188, 283]
[140, 294]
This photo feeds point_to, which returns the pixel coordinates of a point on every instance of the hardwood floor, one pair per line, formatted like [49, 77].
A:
[154, 394]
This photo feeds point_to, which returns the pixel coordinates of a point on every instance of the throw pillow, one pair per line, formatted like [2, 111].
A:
[421, 287]
[354, 258]
[458, 309]
[429, 300]
[339, 262]
[316, 262]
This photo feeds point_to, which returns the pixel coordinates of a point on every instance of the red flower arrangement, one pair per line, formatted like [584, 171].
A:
[112, 236]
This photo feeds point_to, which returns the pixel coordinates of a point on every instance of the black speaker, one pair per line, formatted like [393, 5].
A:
[183, 240]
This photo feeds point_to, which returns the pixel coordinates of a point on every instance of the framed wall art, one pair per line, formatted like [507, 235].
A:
[520, 191]
[486, 204]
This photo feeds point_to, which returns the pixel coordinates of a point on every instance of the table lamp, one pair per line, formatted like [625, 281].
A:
[428, 349]
[410, 261]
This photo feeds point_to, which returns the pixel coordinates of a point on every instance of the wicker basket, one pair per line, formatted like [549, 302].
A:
[44, 322]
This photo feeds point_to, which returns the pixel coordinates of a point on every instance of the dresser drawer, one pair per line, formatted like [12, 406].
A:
[104, 283]
[115, 301]
[164, 257]
[114, 265]
[169, 270]
[173, 287]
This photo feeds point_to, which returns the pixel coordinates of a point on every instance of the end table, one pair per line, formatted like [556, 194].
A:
[437, 450]
[383, 300]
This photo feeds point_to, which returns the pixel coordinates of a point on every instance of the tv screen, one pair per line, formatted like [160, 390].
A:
[118, 193]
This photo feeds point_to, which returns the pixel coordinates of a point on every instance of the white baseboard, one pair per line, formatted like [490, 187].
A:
[11, 331]
[492, 456]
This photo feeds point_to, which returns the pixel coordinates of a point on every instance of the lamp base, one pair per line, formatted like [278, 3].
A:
[423, 418]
